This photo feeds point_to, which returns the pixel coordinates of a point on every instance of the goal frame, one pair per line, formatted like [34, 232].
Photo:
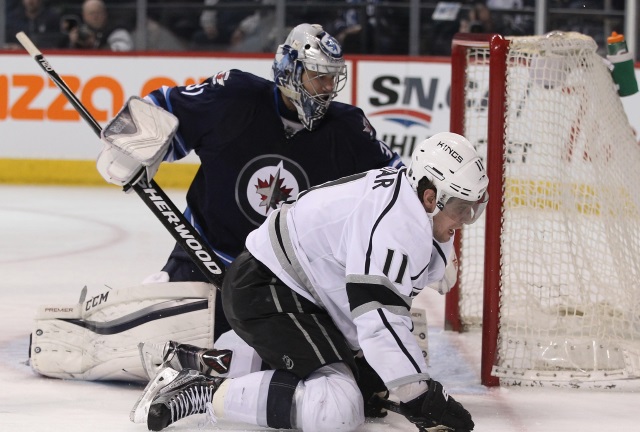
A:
[498, 46]
[550, 271]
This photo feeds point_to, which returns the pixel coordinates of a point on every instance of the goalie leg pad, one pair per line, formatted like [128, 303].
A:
[420, 331]
[98, 339]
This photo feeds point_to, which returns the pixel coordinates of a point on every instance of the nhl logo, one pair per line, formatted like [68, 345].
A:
[288, 363]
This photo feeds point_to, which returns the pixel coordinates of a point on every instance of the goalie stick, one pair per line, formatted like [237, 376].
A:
[153, 196]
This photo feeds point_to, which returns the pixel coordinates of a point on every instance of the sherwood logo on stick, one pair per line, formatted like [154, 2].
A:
[182, 230]
[45, 64]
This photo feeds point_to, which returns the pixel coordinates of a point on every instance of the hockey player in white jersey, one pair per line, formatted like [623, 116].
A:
[334, 273]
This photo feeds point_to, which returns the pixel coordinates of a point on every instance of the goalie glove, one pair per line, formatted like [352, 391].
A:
[136, 140]
[436, 410]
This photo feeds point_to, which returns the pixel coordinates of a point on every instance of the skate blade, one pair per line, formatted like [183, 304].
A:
[140, 410]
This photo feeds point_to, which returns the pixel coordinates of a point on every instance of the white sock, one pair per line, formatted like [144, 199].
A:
[243, 399]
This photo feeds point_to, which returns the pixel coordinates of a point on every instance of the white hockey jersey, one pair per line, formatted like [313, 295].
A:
[361, 247]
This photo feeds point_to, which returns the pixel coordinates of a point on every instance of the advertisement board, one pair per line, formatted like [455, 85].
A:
[405, 98]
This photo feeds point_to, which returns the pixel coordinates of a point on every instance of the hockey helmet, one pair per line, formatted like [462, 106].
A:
[451, 163]
[309, 48]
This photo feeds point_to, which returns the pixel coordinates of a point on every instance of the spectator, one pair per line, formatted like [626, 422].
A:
[257, 32]
[96, 32]
[230, 18]
[512, 24]
[159, 38]
[479, 20]
[439, 31]
[218, 26]
[208, 37]
[306, 11]
[174, 17]
[39, 21]
[368, 27]
[588, 24]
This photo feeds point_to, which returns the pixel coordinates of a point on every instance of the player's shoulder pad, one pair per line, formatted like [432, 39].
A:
[238, 81]
[350, 118]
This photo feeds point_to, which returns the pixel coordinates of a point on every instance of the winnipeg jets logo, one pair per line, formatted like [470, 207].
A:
[220, 77]
[273, 191]
[266, 182]
[367, 126]
[330, 46]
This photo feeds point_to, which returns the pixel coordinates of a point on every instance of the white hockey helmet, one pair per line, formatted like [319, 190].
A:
[451, 163]
[309, 48]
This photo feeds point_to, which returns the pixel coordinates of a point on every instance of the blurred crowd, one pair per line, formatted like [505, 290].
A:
[363, 26]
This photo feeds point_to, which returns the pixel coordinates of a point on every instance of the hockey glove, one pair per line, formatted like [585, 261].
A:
[136, 140]
[436, 408]
[371, 385]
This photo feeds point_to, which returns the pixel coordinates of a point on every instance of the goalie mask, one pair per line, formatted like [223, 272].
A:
[310, 49]
[451, 163]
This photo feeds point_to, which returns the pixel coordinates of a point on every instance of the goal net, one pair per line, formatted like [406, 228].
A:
[552, 273]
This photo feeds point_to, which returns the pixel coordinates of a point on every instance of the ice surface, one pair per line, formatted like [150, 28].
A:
[55, 240]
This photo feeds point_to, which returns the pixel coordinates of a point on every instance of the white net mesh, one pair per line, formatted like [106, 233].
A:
[570, 236]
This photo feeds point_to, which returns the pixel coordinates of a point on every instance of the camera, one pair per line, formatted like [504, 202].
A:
[68, 23]
[85, 34]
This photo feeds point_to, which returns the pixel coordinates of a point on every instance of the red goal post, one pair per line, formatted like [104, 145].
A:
[551, 272]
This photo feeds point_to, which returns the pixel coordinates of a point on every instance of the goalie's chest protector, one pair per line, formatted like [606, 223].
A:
[250, 166]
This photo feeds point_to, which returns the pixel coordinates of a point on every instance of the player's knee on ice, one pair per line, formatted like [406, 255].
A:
[331, 401]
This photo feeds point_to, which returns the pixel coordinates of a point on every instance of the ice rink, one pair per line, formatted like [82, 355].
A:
[55, 240]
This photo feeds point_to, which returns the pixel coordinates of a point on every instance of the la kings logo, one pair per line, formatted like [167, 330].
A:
[265, 183]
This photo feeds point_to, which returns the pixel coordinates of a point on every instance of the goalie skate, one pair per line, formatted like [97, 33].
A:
[209, 361]
[163, 378]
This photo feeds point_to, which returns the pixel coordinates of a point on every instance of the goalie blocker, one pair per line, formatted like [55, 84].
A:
[97, 339]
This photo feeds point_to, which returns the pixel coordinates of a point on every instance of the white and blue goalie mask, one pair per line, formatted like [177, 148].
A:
[309, 69]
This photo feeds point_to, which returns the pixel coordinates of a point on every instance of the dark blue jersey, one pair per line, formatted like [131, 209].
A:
[249, 163]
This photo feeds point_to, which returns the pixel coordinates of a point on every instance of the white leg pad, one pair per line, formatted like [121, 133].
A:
[97, 339]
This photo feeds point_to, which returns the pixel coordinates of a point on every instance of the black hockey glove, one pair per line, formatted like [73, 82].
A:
[371, 385]
[437, 408]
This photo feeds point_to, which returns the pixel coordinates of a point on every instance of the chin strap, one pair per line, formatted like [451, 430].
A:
[289, 93]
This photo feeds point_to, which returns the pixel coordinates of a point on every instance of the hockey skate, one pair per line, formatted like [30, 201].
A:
[188, 393]
[163, 362]
[209, 361]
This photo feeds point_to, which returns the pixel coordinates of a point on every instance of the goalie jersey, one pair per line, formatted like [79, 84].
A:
[360, 247]
[252, 160]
